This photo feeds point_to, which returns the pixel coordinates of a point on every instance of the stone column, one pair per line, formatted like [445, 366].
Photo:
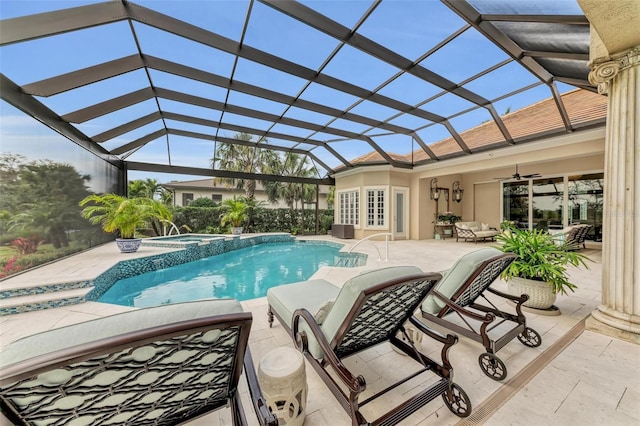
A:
[618, 76]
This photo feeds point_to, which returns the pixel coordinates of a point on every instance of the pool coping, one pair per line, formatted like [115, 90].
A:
[99, 283]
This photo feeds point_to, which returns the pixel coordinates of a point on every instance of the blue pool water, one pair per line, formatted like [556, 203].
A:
[240, 274]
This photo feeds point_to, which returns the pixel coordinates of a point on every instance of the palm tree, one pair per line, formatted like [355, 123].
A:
[147, 188]
[240, 158]
[291, 164]
[166, 196]
[136, 188]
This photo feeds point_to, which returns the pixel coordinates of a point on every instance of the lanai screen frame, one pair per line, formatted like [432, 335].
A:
[504, 23]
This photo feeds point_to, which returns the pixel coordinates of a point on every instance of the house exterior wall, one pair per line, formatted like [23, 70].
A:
[231, 192]
[482, 198]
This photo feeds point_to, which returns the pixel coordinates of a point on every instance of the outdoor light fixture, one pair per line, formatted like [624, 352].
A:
[456, 192]
[435, 191]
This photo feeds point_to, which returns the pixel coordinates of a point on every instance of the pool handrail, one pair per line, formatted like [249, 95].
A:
[164, 227]
[386, 240]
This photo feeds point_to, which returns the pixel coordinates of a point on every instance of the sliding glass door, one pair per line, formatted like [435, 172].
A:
[585, 202]
[516, 203]
[547, 200]
[555, 202]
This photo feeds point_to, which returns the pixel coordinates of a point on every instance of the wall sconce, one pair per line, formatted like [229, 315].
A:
[456, 192]
[434, 193]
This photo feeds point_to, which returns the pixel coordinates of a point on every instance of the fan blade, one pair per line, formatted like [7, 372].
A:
[532, 175]
[504, 178]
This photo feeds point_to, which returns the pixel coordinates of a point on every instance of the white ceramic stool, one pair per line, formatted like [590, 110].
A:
[283, 382]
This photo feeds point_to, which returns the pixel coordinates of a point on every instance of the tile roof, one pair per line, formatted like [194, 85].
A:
[583, 107]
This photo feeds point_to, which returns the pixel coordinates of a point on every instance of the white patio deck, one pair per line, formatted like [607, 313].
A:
[593, 380]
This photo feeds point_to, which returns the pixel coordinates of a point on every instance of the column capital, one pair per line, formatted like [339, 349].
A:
[604, 69]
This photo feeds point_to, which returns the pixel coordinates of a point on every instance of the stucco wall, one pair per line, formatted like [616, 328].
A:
[572, 153]
[260, 196]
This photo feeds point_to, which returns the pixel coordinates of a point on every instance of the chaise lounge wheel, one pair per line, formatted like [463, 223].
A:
[530, 337]
[492, 366]
[457, 401]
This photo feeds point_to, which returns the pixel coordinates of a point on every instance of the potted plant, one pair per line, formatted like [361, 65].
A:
[235, 214]
[123, 216]
[448, 218]
[541, 267]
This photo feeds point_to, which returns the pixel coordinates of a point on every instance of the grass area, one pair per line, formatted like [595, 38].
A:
[7, 252]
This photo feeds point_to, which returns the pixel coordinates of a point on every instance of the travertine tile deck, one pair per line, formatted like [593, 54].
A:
[595, 380]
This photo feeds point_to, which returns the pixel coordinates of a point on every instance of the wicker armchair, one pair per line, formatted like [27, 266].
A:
[369, 309]
[164, 365]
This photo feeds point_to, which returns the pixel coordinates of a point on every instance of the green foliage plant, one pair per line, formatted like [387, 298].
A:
[235, 213]
[448, 217]
[541, 257]
[118, 214]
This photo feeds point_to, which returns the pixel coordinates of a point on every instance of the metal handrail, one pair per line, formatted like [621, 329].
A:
[386, 240]
[164, 227]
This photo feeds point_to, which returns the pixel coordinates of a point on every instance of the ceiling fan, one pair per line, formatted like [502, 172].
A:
[518, 176]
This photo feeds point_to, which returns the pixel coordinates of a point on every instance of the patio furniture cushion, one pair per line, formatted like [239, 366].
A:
[312, 294]
[106, 327]
[475, 231]
[370, 309]
[162, 365]
[456, 276]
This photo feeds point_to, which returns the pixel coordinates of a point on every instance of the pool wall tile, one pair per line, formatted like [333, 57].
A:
[195, 251]
[127, 268]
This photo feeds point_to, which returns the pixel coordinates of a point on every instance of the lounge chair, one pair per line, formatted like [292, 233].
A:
[164, 365]
[453, 304]
[575, 236]
[369, 309]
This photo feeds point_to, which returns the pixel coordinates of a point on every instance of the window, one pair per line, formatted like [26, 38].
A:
[349, 207]
[547, 196]
[585, 199]
[216, 197]
[187, 198]
[554, 202]
[376, 206]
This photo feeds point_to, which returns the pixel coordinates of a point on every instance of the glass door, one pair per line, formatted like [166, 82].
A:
[585, 202]
[547, 202]
[516, 203]
[400, 213]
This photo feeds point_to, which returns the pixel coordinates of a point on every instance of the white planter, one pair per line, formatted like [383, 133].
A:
[541, 295]
[128, 245]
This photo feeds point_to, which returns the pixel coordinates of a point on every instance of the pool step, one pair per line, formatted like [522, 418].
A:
[34, 302]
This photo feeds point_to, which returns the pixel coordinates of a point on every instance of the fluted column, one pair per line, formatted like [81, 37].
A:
[618, 76]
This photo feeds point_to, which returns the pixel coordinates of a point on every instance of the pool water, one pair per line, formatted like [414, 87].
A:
[240, 274]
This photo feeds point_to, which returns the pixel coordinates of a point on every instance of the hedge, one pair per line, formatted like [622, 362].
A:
[207, 220]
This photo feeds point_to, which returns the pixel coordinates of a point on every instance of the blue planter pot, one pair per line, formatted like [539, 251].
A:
[128, 245]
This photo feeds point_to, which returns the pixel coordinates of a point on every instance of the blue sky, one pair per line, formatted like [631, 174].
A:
[408, 27]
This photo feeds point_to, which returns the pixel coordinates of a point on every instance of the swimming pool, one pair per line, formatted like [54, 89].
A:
[241, 274]
[181, 240]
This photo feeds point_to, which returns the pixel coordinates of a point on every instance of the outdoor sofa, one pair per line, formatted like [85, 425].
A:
[475, 231]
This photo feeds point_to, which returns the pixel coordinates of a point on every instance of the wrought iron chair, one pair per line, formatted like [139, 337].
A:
[369, 309]
[161, 366]
[456, 296]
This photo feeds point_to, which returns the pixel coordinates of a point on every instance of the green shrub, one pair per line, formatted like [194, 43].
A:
[207, 220]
